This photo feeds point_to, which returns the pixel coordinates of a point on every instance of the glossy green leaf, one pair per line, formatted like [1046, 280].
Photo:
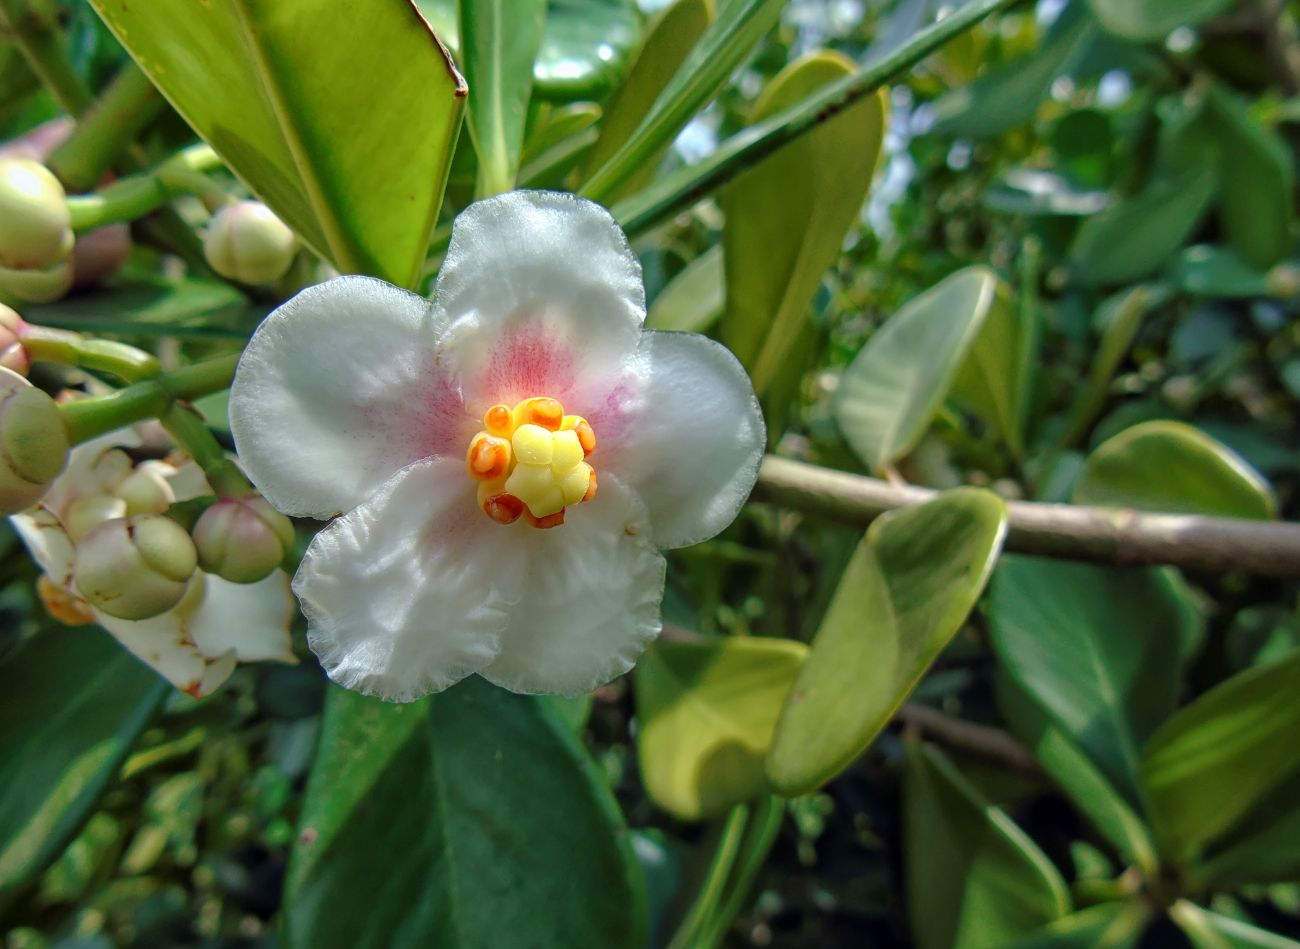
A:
[1153, 20]
[1206, 270]
[75, 702]
[559, 125]
[786, 218]
[1171, 466]
[706, 711]
[1038, 192]
[1096, 649]
[155, 307]
[499, 40]
[909, 587]
[668, 40]
[986, 384]
[724, 46]
[693, 300]
[1108, 926]
[1207, 930]
[891, 390]
[975, 880]
[303, 102]
[466, 819]
[1263, 846]
[1009, 94]
[1257, 181]
[1076, 774]
[1138, 233]
[1220, 756]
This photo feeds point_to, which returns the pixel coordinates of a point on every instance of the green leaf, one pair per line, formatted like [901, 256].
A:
[1205, 270]
[1076, 774]
[1108, 926]
[1207, 930]
[1138, 233]
[155, 307]
[786, 218]
[1153, 20]
[466, 819]
[1220, 756]
[75, 703]
[1263, 846]
[1257, 181]
[974, 879]
[668, 40]
[707, 710]
[1096, 649]
[1038, 192]
[499, 40]
[909, 587]
[722, 48]
[693, 300]
[1196, 474]
[341, 117]
[986, 384]
[893, 387]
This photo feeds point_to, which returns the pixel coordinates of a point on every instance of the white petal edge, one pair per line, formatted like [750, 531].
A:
[43, 535]
[540, 294]
[338, 390]
[590, 603]
[409, 593]
[692, 446]
[250, 619]
[163, 643]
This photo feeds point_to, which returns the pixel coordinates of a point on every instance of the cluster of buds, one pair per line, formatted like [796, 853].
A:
[246, 242]
[36, 238]
[33, 440]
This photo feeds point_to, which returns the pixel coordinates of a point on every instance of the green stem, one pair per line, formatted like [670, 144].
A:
[759, 838]
[191, 433]
[682, 189]
[33, 28]
[90, 418]
[105, 132]
[137, 195]
[73, 349]
[724, 857]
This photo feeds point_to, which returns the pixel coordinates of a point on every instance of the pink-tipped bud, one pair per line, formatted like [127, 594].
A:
[242, 539]
[248, 243]
[13, 355]
[135, 568]
[35, 225]
[33, 442]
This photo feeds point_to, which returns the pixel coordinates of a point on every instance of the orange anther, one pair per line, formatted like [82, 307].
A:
[499, 421]
[586, 436]
[504, 508]
[542, 411]
[591, 487]
[550, 520]
[488, 457]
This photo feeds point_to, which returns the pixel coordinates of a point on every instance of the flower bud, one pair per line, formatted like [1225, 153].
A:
[248, 243]
[13, 355]
[242, 539]
[33, 442]
[38, 286]
[35, 226]
[146, 491]
[136, 567]
[86, 513]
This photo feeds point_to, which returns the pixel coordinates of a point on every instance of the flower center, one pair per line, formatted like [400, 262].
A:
[529, 462]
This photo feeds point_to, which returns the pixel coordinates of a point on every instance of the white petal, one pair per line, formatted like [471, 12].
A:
[250, 619]
[338, 390]
[48, 543]
[692, 444]
[94, 467]
[541, 296]
[164, 644]
[408, 593]
[590, 600]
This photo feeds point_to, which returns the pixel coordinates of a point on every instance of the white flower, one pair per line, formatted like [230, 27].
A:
[430, 427]
[196, 645]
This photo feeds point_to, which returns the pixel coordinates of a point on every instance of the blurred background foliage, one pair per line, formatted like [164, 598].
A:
[1096, 756]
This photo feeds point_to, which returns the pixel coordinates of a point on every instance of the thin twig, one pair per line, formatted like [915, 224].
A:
[1097, 535]
[983, 741]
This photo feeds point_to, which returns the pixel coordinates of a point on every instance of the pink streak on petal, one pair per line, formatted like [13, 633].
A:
[439, 427]
[527, 361]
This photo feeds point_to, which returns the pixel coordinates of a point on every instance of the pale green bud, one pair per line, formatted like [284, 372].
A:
[248, 243]
[135, 568]
[86, 513]
[33, 442]
[35, 226]
[38, 286]
[145, 491]
[242, 539]
[13, 355]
